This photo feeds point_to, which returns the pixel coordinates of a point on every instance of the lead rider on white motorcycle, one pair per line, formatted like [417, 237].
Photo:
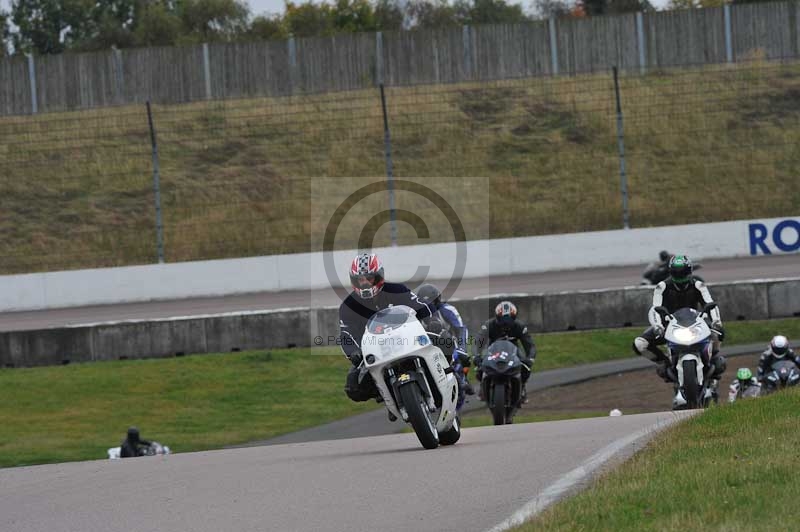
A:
[680, 290]
[370, 294]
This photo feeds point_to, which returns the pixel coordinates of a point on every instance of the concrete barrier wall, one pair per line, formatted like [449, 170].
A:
[299, 327]
[433, 261]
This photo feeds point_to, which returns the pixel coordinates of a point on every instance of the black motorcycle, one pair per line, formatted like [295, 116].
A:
[501, 384]
[783, 374]
[657, 272]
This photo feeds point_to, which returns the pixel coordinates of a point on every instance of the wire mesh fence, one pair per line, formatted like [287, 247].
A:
[531, 156]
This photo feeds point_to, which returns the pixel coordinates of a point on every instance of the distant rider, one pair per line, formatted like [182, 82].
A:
[656, 271]
[744, 381]
[681, 289]
[778, 350]
[370, 294]
[133, 446]
[453, 326]
[504, 326]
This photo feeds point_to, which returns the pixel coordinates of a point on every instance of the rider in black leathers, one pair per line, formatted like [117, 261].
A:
[504, 326]
[132, 444]
[680, 290]
[778, 350]
[370, 294]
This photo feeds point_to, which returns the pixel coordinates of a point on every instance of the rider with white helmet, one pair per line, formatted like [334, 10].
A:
[778, 350]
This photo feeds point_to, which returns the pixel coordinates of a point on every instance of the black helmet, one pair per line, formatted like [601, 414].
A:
[680, 270]
[664, 256]
[133, 434]
[434, 325]
[430, 295]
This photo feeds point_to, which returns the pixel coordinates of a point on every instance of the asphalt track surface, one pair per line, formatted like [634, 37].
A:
[386, 483]
[764, 267]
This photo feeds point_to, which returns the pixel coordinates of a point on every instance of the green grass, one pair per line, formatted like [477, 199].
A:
[75, 412]
[734, 468]
[514, 158]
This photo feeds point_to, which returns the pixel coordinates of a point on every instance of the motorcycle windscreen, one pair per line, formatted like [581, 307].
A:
[389, 319]
[393, 332]
[502, 357]
[685, 317]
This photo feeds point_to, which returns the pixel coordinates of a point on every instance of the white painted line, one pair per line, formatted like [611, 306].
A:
[553, 492]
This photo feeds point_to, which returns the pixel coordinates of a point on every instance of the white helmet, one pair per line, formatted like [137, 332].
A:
[779, 345]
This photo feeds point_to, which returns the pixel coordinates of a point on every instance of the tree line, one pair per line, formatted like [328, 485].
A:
[55, 26]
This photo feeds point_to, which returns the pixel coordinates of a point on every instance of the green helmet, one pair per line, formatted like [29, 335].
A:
[680, 270]
[744, 374]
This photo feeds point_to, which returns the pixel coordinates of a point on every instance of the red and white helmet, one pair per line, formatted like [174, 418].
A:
[779, 345]
[505, 311]
[366, 275]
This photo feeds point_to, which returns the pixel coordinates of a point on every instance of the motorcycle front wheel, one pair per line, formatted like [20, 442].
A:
[498, 405]
[418, 416]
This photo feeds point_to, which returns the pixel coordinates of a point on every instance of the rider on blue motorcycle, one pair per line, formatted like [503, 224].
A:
[452, 326]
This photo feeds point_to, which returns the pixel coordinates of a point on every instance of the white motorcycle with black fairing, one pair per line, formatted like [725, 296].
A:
[414, 377]
[689, 342]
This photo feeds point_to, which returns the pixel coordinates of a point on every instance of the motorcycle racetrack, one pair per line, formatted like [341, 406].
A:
[386, 483]
[492, 478]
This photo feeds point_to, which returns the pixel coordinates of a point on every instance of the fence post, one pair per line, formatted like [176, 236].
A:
[726, 9]
[156, 187]
[207, 70]
[32, 80]
[553, 47]
[465, 30]
[621, 143]
[120, 83]
[292, 51]
[387, 143]
[793, 28]
[640, 39]
[379, 57]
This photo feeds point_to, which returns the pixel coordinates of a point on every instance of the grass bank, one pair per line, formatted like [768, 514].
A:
[75, 412]
[732, 468]
[520, 157]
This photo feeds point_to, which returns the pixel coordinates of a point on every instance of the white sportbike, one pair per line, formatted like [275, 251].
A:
[688, 338]
[413, 376]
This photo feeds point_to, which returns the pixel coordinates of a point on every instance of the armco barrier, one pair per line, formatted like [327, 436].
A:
[778, 298]
[783, 298]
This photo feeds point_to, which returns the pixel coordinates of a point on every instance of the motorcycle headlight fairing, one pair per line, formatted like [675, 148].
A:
[687, 335]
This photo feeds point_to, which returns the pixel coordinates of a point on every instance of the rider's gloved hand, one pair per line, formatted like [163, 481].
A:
[356, 357]
[717, 326]
[477, 360]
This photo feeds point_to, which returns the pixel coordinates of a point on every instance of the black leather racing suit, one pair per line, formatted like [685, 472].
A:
[517, 332]
[669, 295]
[132, 447]
[768, 358]
[354, 313]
